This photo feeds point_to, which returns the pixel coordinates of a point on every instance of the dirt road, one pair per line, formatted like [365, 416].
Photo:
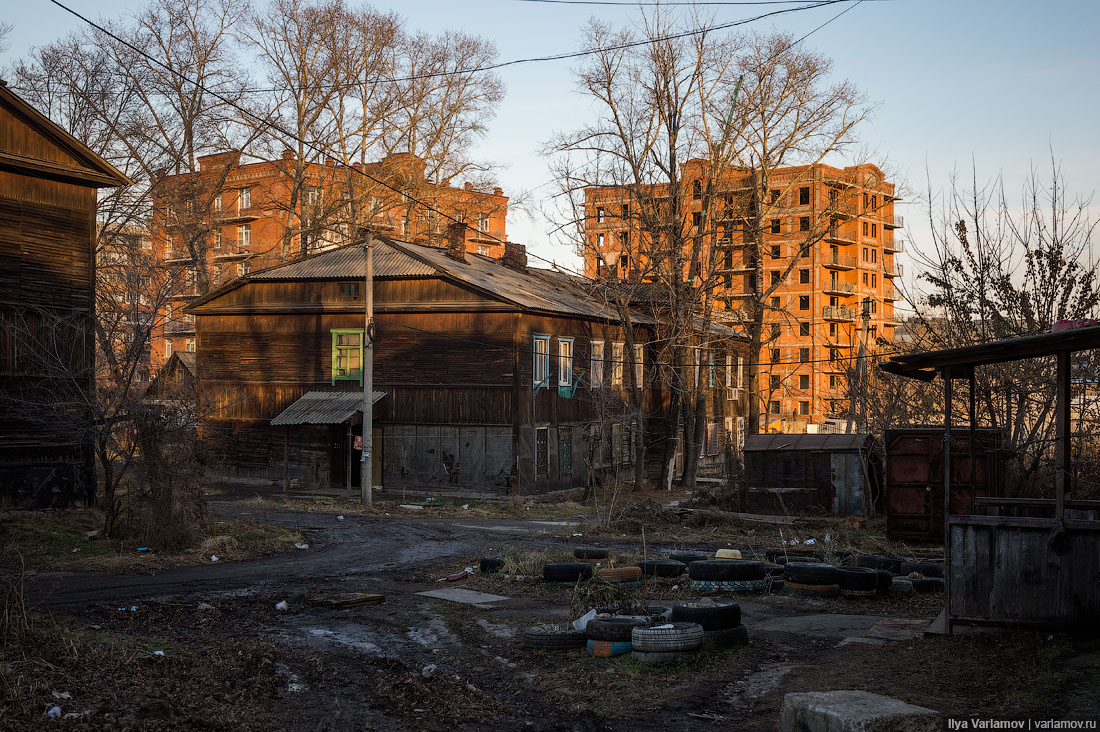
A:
[420, 662]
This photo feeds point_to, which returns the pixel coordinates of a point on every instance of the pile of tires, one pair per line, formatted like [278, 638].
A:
[566, 572]
[726, 575]
[720, 621]
[811, 579]
[554, 637]
[666, 642]
[875, 561]
[590, 553]
[858, 581]
[688, 557]
[922, 569]
[609, 637]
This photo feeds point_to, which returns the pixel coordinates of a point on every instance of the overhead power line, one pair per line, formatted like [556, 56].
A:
[326, 153]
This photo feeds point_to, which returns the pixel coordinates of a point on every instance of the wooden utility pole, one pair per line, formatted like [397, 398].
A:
[366, 460]
[859, 390]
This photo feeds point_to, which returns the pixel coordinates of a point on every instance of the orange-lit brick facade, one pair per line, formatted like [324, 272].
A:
[231, 218]
[844, 220]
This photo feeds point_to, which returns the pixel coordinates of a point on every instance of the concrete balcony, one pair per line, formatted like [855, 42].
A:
[896, 221]
[172, 257]
[838, 313]
[892, 270]
[840, 261]
[897, 244]
[179, 328]
[889, 293]
[226, 255]
[843, 289]
[842, 238]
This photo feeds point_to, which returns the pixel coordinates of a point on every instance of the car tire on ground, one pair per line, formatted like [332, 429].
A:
[875, 561]
[928, 584]
[810, 573]
[688, 557]
[566, 571]
[614, 629]
[885, 578]
[661, 567]
[590, 553]
[859, 579]
[725, 570]
[925, 569]
[773, 570]
[619, 574]
[715, 615]
[667, 637]
[554, 637]
[491, 564]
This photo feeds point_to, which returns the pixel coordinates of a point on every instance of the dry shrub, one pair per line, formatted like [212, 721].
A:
[596, 592]
[631, 517]
[524, 563]
[226, 547]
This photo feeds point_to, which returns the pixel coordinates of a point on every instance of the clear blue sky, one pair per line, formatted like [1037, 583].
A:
[1000, 82]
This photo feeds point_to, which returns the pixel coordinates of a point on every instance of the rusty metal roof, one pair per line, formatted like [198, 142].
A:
[346, 263]
[324, 407]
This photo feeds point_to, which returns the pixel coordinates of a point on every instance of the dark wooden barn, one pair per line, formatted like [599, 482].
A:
[491, 377]
[1011, 560]
[48, 182]
[801, 473]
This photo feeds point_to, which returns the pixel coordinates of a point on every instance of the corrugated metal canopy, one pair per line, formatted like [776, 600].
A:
[803, 442]
[324, 407]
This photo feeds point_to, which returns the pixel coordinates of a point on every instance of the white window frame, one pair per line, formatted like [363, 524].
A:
[565, 361]
[190, 345]
[483, 223]
[218, 203]
[639, 365]
[617, 363]
[244, 236]
[540, 362]
[168, 349]
[244, 198]
[740, 371]
[729, 371]
[596, 364]
[218, 238]
[243, 268]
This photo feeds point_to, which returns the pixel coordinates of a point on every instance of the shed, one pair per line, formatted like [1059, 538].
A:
[807, 473]
[1002, 568]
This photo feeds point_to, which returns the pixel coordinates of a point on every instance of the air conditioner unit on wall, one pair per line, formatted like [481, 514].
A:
[733, 393]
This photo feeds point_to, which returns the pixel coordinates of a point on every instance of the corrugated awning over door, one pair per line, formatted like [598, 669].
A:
[324, 407]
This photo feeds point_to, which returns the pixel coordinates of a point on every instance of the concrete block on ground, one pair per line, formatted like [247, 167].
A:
[854, 711]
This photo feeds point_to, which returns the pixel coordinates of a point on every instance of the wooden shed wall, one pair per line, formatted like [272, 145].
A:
[1004, 570]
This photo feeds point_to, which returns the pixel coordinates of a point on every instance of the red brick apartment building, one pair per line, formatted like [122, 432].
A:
[840, 226]
[233, 217]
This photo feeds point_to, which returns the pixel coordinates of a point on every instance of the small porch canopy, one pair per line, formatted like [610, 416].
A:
[1004, 569]
[324, 407]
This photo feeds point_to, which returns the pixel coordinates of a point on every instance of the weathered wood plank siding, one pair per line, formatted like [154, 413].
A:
[1003, 570]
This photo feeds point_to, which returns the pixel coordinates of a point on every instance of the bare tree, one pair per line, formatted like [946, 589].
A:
[996, 270]
[689, 128]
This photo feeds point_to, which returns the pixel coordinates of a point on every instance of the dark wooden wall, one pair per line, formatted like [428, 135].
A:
[47, 233]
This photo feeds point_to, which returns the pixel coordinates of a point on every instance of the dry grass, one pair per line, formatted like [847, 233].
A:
[431, 508]
[71, 540]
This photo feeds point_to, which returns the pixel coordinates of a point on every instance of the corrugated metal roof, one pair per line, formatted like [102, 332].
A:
[821, 443]
[348, 262]
[324, 407]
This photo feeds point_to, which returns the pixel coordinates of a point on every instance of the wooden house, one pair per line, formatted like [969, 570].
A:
[48, 182]
[491, 377]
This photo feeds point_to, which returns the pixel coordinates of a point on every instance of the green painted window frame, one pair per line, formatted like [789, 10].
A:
[335, 332]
